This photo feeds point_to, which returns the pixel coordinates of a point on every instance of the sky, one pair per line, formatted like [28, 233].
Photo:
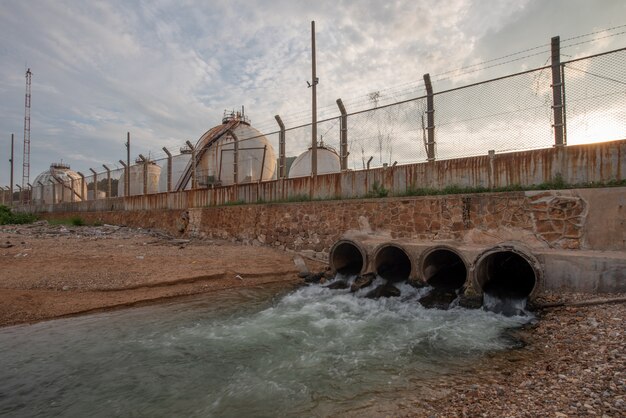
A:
[165, 70]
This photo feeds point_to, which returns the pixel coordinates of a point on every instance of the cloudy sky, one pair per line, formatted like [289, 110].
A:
[165, 70]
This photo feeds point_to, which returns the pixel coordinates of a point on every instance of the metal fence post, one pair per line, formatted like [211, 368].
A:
[108, 180]
[430, 119]
[343, 136]
[194, 177]
[30, 193]
[41, 193]
[282, 159]
[557, 93]
[126, 183]
[144, 162]
[169, 169]
[95, 185]
[82, 186]
[54, 191]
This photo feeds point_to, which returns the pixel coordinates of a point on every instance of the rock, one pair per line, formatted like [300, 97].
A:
[338, 284]
[384, 291]
[438, 299]
[6, 245]
[416, 283]
[362, 281]
[470, 302]
[313, 277]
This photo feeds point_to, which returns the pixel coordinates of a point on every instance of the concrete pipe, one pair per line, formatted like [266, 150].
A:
[347, 257]
[508, 271]
[443, 268]
[392, 262]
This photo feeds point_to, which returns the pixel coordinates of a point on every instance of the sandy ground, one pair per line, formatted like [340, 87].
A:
[52, 271]
[571, 363]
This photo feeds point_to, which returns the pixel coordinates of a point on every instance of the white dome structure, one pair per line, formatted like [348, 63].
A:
[215, 155]
[327, 162]
[59, 184]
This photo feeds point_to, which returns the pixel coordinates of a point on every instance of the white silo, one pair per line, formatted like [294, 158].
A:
[137, 178]
[59, 184]
[327, 162]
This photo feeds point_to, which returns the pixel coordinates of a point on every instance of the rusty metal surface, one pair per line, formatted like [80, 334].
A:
[598, 163]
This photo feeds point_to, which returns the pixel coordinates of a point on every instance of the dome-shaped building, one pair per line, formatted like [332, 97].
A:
[215, 155]
[59, 184]
[327, 162]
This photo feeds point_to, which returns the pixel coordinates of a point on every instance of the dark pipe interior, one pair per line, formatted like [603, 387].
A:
[444, 269]
[506, 274]
[393, 264]
[347, 259]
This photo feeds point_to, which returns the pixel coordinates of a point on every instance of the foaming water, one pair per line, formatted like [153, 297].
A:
[505, 305]
[307, 352]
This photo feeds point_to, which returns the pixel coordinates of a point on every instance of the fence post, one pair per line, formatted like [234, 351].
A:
[83, 186]
[71, 191]
[194, 178]
[126, 183]
[282, 159]
[108, 180]
[557, 93]
[54, 191]
[169, 169]
[144, 162]
[95, 185]
[343, 136]
[30, 193]
[430, 119]
[41, 193]
[11, 181]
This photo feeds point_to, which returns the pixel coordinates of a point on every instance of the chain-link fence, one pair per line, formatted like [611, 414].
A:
[511, 113]
[595, 98]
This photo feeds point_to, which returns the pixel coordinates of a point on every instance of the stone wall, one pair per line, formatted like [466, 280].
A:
[544, 219]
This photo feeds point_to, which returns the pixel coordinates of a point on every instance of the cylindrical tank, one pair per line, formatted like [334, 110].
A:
[60, 184]
[327, 162]
[256, 158]
[136, 179]
[179, 164]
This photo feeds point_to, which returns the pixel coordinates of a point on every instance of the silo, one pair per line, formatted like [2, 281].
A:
[327, 162]
[59, 184]
[137, 178]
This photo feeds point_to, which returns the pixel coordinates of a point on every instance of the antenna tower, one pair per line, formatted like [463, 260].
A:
[26, 166]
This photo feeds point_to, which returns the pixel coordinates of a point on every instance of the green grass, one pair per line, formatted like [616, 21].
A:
[8, 217]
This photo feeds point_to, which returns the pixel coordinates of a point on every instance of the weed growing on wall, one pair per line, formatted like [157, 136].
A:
[7, 217]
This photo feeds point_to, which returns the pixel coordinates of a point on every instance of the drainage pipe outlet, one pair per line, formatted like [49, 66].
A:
[347, 257]
[508, 272]
[443, 268]
[391, 262]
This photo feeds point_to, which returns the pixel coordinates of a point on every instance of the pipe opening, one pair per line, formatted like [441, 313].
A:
[506, 274]
[392, 263]
[444, 269]
[346, 258]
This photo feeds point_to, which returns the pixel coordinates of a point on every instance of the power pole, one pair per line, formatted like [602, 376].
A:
[11, 161]
[26, 165]
[313, 104]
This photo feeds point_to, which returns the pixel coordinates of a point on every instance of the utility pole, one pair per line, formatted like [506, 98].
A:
[313, 104]
[11, 161]
[26, 164]
[127, 167]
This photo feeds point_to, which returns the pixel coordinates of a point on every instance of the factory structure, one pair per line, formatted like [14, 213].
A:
[233, 152]
[59, 184]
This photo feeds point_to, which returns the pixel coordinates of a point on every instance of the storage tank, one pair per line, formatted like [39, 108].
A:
[327, 162]
[179, 163]
[256, 158]
[60, 184]
[137, 178]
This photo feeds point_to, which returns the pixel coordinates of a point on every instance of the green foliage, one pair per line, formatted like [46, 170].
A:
[378, 190]
[7, 217]
[77, 221]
